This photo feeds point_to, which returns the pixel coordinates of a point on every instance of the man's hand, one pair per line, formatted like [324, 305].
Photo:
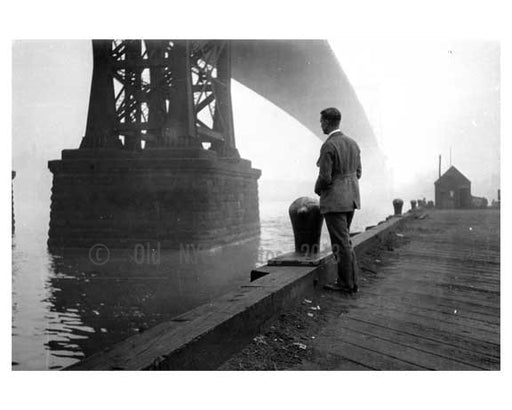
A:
[325, 162]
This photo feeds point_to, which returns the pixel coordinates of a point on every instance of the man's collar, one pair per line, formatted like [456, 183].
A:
[333, 132]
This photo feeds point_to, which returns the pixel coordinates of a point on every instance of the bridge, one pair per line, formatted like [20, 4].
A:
[158, 162]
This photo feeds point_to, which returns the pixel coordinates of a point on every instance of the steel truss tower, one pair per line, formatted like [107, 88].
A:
[158, 163]
[160, 94]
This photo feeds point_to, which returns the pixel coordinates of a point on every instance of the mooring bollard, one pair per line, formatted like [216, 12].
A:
[413, 205]
[398, 204]
[307, 224]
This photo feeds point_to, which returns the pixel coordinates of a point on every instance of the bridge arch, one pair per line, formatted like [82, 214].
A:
[302, 77]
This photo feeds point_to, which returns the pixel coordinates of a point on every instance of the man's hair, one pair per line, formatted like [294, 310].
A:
[331, 115]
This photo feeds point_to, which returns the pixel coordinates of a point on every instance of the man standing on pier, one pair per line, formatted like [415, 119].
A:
[338, 187]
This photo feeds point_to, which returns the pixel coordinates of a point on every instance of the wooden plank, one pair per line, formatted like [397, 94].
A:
[449, 328]
[466, 254]
[425, 344]
[486, 290]
[364, 356]
[462, 311]
[488, 304]
[330, 361]
[458, 269]
[443, 334]
[449, 257]
[301, 259]
[449, 300]
[446, 317]
[454, 274]
[400, 351]
[491, 297]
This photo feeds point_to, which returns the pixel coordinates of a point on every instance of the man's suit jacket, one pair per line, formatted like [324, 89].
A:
[340, 170]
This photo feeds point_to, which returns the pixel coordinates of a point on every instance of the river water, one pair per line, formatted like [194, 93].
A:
[66, 306]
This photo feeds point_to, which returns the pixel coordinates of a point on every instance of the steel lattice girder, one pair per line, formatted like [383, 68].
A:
[161, 91]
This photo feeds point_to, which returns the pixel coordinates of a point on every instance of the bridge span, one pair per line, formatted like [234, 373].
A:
[158, 161]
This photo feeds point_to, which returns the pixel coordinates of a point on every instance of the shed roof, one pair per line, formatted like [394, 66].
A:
[453, 174]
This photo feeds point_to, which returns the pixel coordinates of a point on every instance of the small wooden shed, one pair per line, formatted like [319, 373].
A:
[453, 190]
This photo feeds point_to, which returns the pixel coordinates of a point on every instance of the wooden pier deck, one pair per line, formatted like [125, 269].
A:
[434, 304]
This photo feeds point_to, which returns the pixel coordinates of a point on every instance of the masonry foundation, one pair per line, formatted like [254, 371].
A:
[166, 197]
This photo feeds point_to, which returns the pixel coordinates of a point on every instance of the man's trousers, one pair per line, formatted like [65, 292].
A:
[338, 225]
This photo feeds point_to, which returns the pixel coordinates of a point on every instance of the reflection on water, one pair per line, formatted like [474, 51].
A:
[70, 304]
[89, 306]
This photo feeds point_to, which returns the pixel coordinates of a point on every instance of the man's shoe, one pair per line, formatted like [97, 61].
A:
[334, 286]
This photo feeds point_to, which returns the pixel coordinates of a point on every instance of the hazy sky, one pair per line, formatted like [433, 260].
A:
[422, 97]
[425, 96]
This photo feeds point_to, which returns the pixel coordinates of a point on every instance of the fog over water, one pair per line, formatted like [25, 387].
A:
[421, 97]
[425, 96]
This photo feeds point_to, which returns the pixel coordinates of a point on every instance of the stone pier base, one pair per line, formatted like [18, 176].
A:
[171, 198]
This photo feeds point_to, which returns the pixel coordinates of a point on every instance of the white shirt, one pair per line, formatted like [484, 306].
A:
[332, 132]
